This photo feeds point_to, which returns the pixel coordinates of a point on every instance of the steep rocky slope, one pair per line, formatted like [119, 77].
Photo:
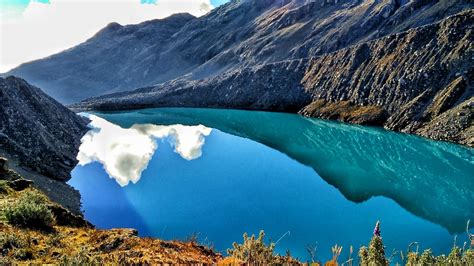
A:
[36, 131]
[418, 81]
[242, 33]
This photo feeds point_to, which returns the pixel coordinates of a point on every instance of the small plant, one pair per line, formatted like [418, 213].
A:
[350, 260]
[193, 238]
[427, 257]
[23, 254]
[5, 260]
[312, 251]
[412, 258]
[455, 256]
[30, 211]
[469, 235]
[394, 254]
[117, 259]
[4, 187]
[253, 250]
[363, 256]
[83, 257]
[55, 240]
[10, 241]
[336, 252]
[375, 254]
[468, 257]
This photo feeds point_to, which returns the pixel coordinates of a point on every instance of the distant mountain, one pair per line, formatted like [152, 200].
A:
[116, 58]
[418, 81]
[37, 132]
[233, 37]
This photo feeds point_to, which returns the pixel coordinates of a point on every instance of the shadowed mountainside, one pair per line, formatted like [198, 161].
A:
[41, 138]
[237, 35]
[38, 131]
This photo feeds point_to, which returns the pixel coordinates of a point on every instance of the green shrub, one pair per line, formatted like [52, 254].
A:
[10, 241]
[30, 211]
[23, 254]
[455, 256]
[83, 257]
[363, 256]
[427, 257]
[34, 196]
[375, 254]
[468, 257]
[5, 260]
[4, 187]
[253, 250]
[55, 240]
[412, 258]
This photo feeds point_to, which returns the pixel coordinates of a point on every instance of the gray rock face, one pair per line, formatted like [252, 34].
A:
[407, 82]
[240, 34]
[37, 131]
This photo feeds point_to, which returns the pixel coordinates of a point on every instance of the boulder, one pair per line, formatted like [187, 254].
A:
[3, 164]
[20, 184]
[66, 218]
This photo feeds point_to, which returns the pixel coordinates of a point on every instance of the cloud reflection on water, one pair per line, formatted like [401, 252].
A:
[125, 153]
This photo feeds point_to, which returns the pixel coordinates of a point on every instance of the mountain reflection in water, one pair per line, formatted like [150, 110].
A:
[432, 180]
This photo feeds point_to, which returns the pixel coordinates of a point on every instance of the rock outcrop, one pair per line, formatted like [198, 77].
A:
[237, 35]
[418, 81]
[37, 132]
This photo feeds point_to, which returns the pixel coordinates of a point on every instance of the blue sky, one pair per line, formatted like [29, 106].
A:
[218, 2]
[56, 25]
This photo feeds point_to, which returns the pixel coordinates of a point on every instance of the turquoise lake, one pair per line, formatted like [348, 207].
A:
[172, 172]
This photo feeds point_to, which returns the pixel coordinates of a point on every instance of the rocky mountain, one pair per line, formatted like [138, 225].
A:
[117, 57]
[418, 81]
[235, 37]
[37, 132]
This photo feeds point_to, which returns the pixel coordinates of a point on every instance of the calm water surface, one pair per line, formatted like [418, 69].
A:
[173, 172]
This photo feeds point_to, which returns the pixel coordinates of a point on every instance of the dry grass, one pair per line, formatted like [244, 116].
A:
[85, 245]
[346, 111]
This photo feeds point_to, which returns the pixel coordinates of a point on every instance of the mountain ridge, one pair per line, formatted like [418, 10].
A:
[236, 35]
[366, 83]
[40, 133]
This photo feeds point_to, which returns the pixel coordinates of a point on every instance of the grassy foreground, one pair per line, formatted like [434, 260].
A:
[34, 230]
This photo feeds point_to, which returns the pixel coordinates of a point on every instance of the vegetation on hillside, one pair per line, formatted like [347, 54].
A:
[30, 211]
[34, 230]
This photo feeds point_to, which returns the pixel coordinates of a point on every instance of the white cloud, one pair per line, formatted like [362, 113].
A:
[47, 28]
[125, 153]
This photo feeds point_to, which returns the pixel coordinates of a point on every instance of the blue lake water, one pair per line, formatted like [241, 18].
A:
[172, 172]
